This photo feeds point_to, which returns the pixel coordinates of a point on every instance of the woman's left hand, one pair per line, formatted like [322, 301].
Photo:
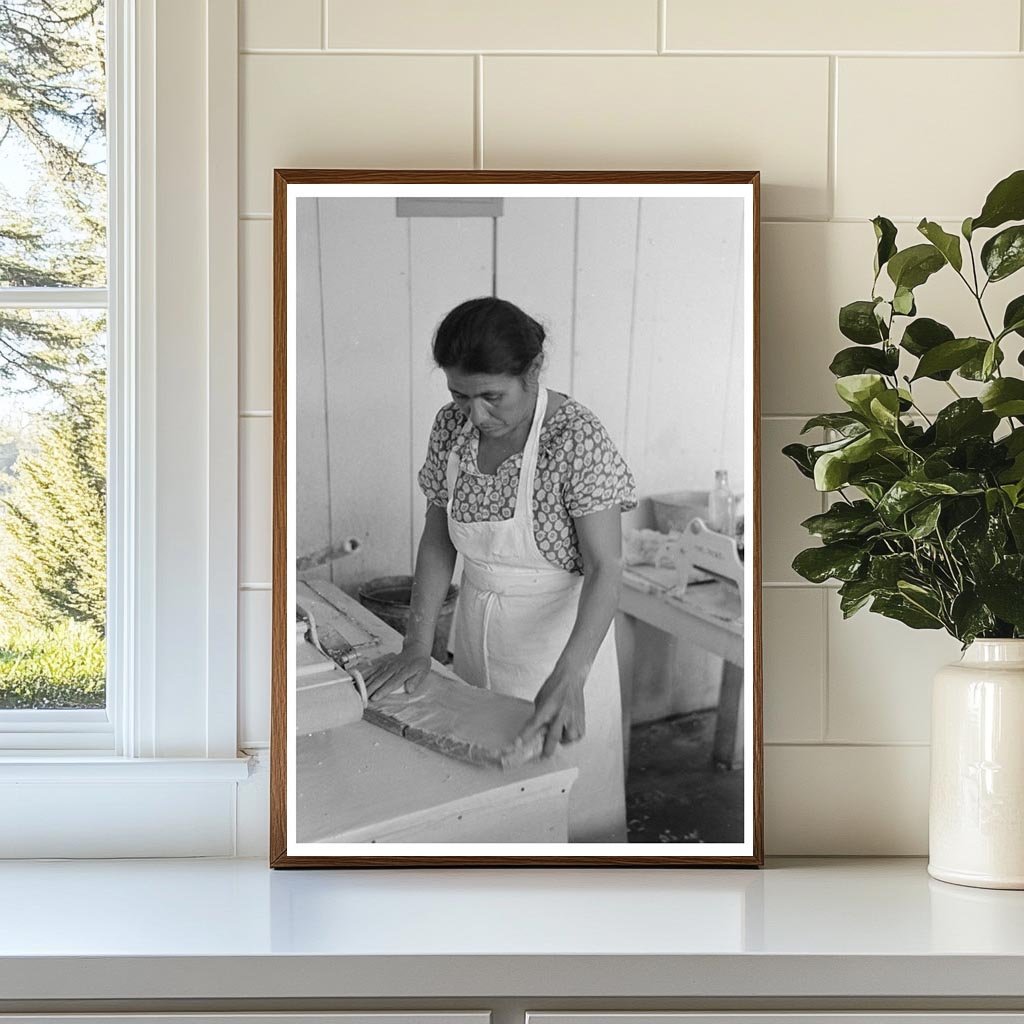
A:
[558, 711]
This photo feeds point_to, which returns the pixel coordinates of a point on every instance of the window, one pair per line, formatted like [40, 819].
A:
[53, 371]
[155, 770]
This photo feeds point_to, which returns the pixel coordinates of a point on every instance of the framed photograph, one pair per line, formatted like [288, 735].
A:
[516, 542]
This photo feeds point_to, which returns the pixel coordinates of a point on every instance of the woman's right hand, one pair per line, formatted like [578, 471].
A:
[407, 668]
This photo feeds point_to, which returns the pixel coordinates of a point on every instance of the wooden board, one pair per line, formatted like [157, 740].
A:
[465, 722]
[445, 714]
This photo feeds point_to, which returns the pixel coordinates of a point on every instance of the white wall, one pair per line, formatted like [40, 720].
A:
[908, 110]
[641, 301]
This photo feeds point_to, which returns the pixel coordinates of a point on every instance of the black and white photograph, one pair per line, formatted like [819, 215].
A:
[516, 518]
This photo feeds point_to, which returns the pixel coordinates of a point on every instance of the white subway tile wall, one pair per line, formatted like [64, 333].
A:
[909, 113]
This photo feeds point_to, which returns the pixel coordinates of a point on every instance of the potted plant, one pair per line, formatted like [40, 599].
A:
[927, 521]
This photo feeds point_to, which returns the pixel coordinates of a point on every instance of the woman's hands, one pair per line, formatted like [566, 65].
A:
[408, 668]
[558, 710]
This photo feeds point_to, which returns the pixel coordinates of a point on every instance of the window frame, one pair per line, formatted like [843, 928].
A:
[172, 458]
[93, 729]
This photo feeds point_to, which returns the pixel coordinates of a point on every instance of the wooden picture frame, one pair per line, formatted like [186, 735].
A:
[648, 284]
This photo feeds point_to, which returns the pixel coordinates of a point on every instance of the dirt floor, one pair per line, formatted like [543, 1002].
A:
[673, 794]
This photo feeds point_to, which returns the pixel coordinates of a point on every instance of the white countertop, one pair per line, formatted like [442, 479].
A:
[233, 928]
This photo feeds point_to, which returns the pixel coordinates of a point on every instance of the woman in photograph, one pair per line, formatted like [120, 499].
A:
[527, 486]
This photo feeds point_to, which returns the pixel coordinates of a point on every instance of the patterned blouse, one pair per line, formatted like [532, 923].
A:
[579, 471]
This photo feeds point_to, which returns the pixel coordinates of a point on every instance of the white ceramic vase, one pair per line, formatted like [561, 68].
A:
[976, 813]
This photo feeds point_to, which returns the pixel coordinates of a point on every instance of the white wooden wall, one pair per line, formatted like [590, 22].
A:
[792, 88]
[641, 301]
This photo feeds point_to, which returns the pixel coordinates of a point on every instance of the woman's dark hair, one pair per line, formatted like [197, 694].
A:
[488, 336]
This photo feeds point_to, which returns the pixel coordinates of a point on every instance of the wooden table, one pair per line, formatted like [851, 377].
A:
[359, 783]
[647, 598]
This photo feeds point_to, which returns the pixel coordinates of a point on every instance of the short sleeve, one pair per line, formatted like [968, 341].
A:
[433, 474]
[598, 477]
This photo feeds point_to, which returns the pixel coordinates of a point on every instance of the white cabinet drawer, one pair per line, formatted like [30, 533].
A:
[787, 1017]
[359, 1017]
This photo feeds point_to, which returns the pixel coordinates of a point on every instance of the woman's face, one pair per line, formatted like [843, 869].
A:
[495, 403]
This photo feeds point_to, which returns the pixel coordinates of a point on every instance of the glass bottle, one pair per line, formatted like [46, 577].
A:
[722, 505]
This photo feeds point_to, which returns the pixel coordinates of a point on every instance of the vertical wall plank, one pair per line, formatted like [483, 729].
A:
[364, 262]
[450, 261]
[683, 336]
[605, 277]
[312, 501]
[535, 257]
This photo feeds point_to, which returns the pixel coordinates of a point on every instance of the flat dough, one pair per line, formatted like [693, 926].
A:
[465, 722]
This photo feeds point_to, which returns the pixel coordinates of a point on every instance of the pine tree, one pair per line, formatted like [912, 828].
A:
[53, 234]
[52, 121]
[53, 520]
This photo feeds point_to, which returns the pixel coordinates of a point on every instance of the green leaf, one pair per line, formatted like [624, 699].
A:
[831, 471]
[974, 368]
[887, 570]
[841, 421]
[840, 561]
[1014, 441]
[903, 302]
[966, 229]
[1003, 254]
[923, 335]
[970, 617]
[799, 455]
[949, 355]
[947, 244]
[885, 236]
[964, 482]
[858, 389]
[872, 491]
[1015, 519]
[1005, 596]
[843, 521]
[991, 360]
[966, 417]
[817, 450]
[849, 361]
[1005, 202]
[925, 518]
[885, 409]
[857, 321]
[899, 608]
[1004, 397]
[864, 446]
[854, 594]
[1013, 317]
[906, 494]
[912, 267]
[994, 499]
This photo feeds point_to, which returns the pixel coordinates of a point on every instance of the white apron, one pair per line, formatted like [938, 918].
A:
[514, 615]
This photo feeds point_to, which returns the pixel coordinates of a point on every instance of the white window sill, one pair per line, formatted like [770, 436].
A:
[77, 766]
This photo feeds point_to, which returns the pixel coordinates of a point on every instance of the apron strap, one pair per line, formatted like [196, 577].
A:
[528, 467]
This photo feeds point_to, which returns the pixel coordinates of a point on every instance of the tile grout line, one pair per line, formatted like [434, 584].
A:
[831, 170]
[478, 111]
[768, 55]
[824, 724]
[852, 744]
